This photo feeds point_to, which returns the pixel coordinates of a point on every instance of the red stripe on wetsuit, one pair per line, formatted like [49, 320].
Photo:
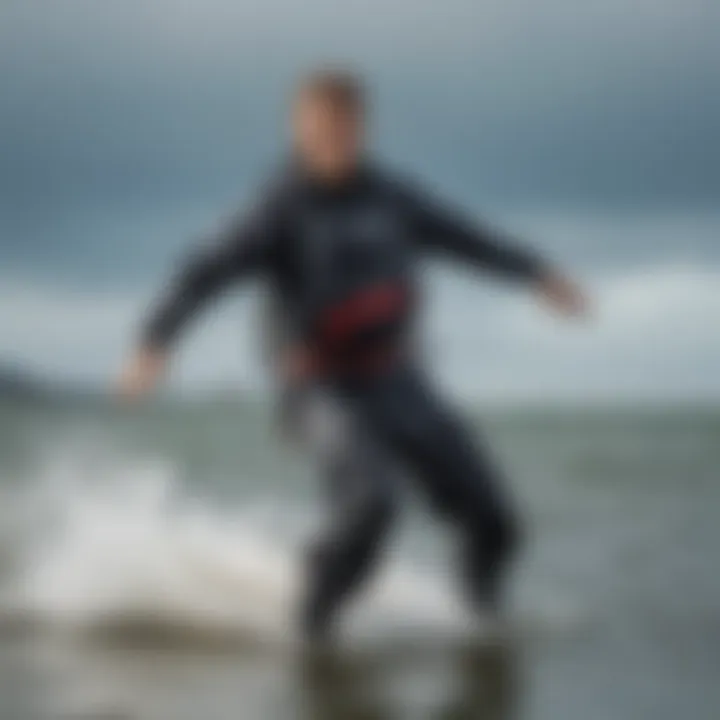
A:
[338, 343]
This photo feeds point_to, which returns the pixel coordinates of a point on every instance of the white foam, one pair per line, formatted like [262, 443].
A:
[121, 541]
[111, 543]
[129, 544]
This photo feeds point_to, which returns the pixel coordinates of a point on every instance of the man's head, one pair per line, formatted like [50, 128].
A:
[328, 123]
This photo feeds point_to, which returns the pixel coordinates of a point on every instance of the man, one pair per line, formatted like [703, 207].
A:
[338, 239]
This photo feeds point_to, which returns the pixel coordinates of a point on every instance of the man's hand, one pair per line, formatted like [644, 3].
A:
[141, 374]
[563, 295]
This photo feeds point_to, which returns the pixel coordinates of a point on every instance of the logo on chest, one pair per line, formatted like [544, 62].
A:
[364, 225]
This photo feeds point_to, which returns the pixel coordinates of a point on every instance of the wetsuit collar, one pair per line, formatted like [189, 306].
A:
[359, 179]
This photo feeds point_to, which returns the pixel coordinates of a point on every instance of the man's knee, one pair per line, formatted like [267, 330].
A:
[362, 518]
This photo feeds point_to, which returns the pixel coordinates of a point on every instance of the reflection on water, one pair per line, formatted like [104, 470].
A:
[480, 683]
[84, 681]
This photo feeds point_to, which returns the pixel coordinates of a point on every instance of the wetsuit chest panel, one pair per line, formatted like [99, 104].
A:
[356, 268]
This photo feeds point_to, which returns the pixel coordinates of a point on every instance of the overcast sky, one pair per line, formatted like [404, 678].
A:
[126, 128]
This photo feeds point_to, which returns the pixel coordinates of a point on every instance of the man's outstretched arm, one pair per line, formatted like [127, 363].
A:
[242, 248]
[447, 231]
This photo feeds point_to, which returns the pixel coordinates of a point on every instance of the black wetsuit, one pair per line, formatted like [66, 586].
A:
[342, 262]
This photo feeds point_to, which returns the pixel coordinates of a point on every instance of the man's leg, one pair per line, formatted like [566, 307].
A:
[362, 504]
[458, 476]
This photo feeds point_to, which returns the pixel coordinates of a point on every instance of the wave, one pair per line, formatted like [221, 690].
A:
[119, 546]
[105, 543]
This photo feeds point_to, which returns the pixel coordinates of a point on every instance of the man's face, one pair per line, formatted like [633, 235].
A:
[328, 137]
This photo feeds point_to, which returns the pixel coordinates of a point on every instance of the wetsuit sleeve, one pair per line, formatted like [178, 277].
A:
[244, 247]
[447, 231]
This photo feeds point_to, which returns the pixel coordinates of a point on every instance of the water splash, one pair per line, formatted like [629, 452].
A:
[104, 542]
[112, 543]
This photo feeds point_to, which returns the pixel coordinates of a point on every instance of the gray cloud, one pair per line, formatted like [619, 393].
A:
[547, 102]
[590, 127]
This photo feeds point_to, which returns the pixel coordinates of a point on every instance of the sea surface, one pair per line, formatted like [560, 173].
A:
[150, 557]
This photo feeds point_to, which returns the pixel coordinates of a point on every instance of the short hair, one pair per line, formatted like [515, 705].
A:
[342, 88]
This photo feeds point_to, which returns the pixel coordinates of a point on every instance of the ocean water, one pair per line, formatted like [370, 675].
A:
[150, 558]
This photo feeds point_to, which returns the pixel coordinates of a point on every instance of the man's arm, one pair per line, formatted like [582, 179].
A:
[242, 248]
[448, 231]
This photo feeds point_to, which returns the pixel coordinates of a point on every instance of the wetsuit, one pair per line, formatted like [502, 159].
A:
[341, 262]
